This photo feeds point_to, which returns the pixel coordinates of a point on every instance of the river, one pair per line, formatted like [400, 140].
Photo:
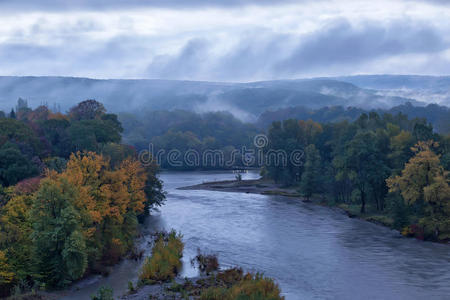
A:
[313, 252]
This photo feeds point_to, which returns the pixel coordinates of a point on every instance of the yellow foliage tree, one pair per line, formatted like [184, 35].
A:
[107, 196]
[419, 172]
[424, 180]
[6, 275]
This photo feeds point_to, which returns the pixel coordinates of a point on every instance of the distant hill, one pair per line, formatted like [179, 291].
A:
[399, 81]
[245, 100]
[429, 89]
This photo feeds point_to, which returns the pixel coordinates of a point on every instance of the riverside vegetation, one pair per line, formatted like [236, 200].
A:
[162, 267]
[382, 168]
[71, 196]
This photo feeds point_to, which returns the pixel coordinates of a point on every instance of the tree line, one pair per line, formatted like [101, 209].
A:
[436, 114]
[71, 195]
[387, 165]
[184, 131]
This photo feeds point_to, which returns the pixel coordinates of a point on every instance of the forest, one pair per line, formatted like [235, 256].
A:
[392, 167]
[73, 191]
[71, 195]
[184, 130]
[435, 114]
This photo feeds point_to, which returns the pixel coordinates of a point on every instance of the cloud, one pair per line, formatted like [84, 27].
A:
[193, 56]
[220, 40]
[336, 46]
[51, 5]
[342, 44]
[69, 5]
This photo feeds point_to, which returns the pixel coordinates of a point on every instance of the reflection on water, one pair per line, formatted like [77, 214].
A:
[313, 252]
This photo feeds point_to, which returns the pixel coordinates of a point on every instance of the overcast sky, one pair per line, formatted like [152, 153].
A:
[224, 40]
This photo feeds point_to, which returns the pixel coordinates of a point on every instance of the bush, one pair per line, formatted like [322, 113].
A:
[251, 287]
[103, 293]
[206, 263]
[165, 262]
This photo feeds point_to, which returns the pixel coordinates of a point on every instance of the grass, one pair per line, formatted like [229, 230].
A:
[371, 215]
[233, 285]
[165, 261]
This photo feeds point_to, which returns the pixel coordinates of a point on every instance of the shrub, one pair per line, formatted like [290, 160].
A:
[251, 287]
[206, 263]
[103, 293]
[165, 261]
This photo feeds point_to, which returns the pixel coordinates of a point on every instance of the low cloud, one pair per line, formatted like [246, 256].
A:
[341, 44]
[336, 46]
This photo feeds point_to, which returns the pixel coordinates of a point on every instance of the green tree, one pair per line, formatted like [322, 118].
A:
[14, 166]
[310, 182]
[87, 110]
[59, 250]
[365, 164]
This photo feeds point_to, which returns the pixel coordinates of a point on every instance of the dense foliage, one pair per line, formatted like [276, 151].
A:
[71, 195]
[31, 140]
[387, 164]
[186, 131]
[437, 115]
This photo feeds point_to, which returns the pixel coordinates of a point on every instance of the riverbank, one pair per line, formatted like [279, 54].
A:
[256, 186]
[268, 187]
[232, 283]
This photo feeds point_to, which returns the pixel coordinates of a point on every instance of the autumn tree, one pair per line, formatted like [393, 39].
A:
[424, 181]
[109, 202]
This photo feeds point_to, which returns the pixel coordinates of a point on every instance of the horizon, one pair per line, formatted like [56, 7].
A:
[337, 78]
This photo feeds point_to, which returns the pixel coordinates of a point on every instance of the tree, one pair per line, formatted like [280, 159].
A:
[14, 166]
[90, 135]
[87, 110]
[59, 250]
[423, 132]
[424, 181]
[310, 182]
[6, 272]
[12, 114]
[365, 164]
[400, 145]
[15, 231]
[17, 132]
[418, 173]
[153, 188]
[109, 201]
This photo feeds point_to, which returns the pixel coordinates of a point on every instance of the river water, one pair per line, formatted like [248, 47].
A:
[313, 252]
